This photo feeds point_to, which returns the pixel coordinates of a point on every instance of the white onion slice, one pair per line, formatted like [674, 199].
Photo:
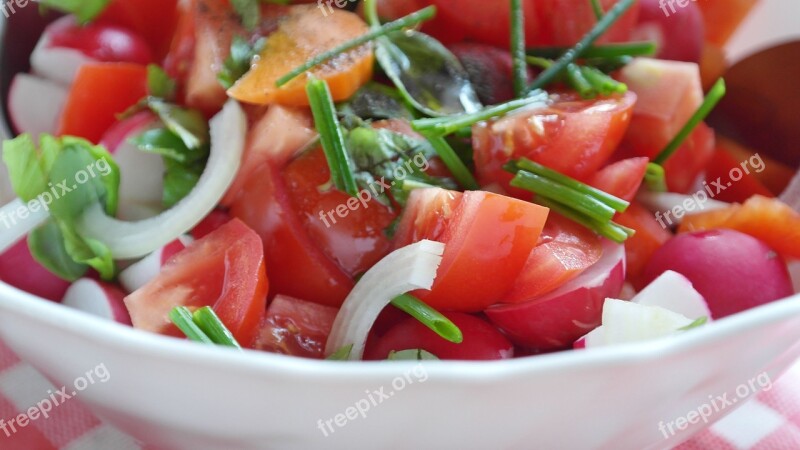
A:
[13, 227]
[674, 292]
[129, 240]
[667, 201]
[627, 322]
[406, 269]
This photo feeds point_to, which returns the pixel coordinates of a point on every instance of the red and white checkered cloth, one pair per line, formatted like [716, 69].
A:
[770, 421]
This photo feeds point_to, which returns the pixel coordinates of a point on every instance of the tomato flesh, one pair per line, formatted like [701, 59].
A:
[224, 270]
[296, 327]
[621, 179]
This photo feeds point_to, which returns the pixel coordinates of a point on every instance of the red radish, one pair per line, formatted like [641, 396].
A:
[99, 299]
[733, 271]
[678, 32]
[481, 340]
[35, 104]
[296, 327]
[19, 269]
[674, 292]
[794, 272]
[140, 273]
[141, 173]
[557, 319]
[57, 63]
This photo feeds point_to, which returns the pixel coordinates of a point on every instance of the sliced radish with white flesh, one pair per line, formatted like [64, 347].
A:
[128, 240]
[674, 292]
[141, 272]
[667, 201]
[405, 269]
[58, 64]
[141, 173]
[625, 322]
[99, 299]
[35, 104]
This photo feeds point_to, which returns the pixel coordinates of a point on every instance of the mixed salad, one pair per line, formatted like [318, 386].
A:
[391, 179]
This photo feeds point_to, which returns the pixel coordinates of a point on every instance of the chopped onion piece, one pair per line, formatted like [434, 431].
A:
[135, 239]
[626, 322]
[667, 201]
[406, 269]
[14, 227]
[674, 292]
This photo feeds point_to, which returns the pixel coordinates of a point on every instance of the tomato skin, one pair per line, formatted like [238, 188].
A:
[180, 56]
[104, 43]
[214, 220]
[565, 249]
[719, 171]
[296, 327]
[224, 270]
[482, 341]
[575, 137]
[296, 266]
[99, 93]
[356, 241]
[622, 178]
[488, 239]
[639, 248]
[154, 20]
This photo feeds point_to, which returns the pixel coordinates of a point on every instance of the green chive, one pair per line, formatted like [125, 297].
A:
[610, 230]
[714, 96]
[405, 22]
[450, 159]
[601, 82]
[655, 178]
[555, 191]
[429, 317]
[520, 67]
[209, 322]
[331, 136]
[182, 318]
[643, 48]
[578, 50]
[448, 125]
[343, 354]
[578, 82]
[536, 61]
[615, 203]
[597, 8]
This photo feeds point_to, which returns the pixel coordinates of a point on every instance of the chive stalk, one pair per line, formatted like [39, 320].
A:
[597, 8]
[520, 67]
[331, 136]
[610, 230]
[549, 75]
[450, 159]
[585, 204]
[429, 317]
[641, 48]
[182, 318]
[709, 103]
[208, 321]
[404, 22]
[655, 178]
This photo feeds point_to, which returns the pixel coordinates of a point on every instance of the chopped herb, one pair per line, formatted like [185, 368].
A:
[696, 324]
[331, 136]
[159, 84]
[208, 321]
[411, 355]
[249, 11]
[189, 125]
[585, 204]
[182, 318]
[644, 48]
[610, 230]
[84, 10]
[520, 68]
[375, 101]
[239, 61]
[343, 354]
[429, 317]
[597, 8]
[450, 159]
[655, 178]
[714, 96]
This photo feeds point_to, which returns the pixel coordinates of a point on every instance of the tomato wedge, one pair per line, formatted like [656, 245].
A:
[99, 93]
[573, 136]
[640, 247]
[565, 249]
[296, 327]
[622, 178]
[488, 239]
[224, 270]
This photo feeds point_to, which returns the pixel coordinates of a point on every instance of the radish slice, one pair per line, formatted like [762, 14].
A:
[17, 220]
[99, 299]
[141, 173]
[35, 104]
[406, 269]
[128, 240]
[141, 272]
[674, 292]
[57, 63]
[667, 201]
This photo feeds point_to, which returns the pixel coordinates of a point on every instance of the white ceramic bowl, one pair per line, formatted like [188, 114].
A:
[175, 394]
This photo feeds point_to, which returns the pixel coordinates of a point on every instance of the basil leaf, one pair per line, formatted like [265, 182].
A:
[84, 10]
[91, 252]
[249, 11]
[179, 180]
[376, 101]
[239, 61]
[25, 170]
[94, 176]
[159, 84]
[189, 125]
[411, 355]
[163, 142]
[427, 74]
[46, 244]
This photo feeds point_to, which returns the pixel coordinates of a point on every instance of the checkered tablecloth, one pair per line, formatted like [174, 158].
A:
[770, 421]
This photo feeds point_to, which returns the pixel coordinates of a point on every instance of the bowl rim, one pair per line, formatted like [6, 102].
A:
[123, 337]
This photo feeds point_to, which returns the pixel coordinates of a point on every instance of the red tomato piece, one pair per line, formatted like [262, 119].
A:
[573, 136]
[349, 230]
[482, 341]
[564, 251]
[296, 327]
[180, 57]
[154, 20]
[488, 239]
[224, 270]
[104, 43]
[622, 178]
[719, 170]
[99, 93]
[211, 223]
[649, 237]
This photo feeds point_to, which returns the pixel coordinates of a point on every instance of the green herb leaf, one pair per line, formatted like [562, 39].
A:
[597, 8]
[212, 326]
[376, 101]
[189, 125]
[239, 61]
[249, 11]
[450, 159]
[696, 324]
[46, 244]
[84, 10]
[427, 74]
[643, 48]
[343, 354]
[429, 317]
[159, 84]
[411, 355]
[25, 171]
[182, 318]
